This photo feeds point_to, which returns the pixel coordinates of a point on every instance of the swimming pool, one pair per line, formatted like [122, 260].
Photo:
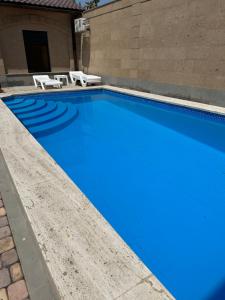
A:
[155, 171]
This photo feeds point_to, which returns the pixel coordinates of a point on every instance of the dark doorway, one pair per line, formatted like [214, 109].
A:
[36, 47]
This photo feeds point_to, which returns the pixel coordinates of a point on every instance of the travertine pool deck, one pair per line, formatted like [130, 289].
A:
[85, 257]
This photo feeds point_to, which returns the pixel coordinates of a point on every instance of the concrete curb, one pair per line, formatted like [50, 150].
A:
[38, 279]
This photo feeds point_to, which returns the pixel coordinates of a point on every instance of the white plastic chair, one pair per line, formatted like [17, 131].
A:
[84, 78]
[45, 80]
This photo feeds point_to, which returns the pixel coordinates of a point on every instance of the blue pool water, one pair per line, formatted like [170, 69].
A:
[155, 171]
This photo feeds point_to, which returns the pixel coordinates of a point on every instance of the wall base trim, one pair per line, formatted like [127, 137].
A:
[208, 96]
[11, 80]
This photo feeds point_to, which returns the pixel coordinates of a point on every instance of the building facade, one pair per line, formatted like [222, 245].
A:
[36, 38]
[172, 47]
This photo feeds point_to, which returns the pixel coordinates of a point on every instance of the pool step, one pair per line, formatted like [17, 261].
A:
[43, 117]
[22, 105]
[51, 106]
[57, 124]
[14, 102]
[47, 118]
[38, 105]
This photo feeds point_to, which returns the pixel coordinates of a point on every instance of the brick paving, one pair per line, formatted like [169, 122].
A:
[12, 283]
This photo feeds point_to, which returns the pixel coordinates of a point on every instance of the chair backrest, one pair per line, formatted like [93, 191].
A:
[76, 73]
[40, 78]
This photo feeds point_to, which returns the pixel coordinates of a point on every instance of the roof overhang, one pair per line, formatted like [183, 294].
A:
[45, 7]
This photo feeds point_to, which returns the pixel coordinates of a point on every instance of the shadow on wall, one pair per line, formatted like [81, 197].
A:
[86, 50]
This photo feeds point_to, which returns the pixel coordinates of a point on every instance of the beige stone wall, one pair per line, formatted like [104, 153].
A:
[12, 52]
[168, 43]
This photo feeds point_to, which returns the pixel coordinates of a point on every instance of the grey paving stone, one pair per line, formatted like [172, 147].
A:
[3, 221]
[4, 232]
[8, 258]
[4, 278]
[6, 244]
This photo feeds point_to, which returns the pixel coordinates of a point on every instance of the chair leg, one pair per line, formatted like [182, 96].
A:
[83, 83]
[35, 83]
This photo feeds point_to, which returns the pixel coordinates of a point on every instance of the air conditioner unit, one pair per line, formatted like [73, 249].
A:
[81, 24]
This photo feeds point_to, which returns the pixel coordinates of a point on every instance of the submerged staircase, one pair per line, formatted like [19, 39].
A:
[43, 117]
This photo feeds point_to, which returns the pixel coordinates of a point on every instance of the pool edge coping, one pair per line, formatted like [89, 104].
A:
[148, 96]
[22, 130]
